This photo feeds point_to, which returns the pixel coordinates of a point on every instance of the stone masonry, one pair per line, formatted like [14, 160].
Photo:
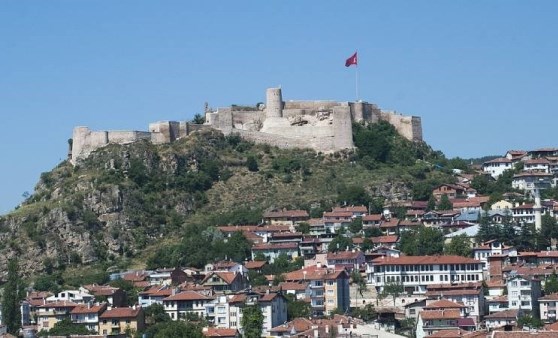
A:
[325, 126]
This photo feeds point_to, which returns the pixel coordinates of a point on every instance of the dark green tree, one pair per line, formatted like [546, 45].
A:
[252, 163]
[155, 313]
[372, 232]
[174, 329]
[303, 227]
[459, 245]
[11, 314]
[423, 241]
[530, 321]
[198, 119]
[354, 194]
[366, 245]
[393, 289]
[297, 308]
[356, 225]
[431, 203]
[445, 203]
[551, 284]
[252, 321]
[66, 327]
[340, 243]
[366, 313]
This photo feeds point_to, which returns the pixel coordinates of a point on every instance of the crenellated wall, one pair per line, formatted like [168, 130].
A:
[324, 126]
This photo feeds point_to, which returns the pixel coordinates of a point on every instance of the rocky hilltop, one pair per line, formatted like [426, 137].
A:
[124, 199]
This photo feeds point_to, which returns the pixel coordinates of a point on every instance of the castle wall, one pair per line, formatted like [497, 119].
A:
[342, 128]
[320, 144]
[126, 136]
[312, 105]
[407, 126]
[84, 141]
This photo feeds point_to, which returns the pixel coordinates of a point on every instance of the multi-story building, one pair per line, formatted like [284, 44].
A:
[121, 320]
[492, 248]
[225, 281]
[178, 305]
[74, 296]
[432, 321]
[51, 313]
[497, 166]
[417, 272]
[273, 250]
[547, 307]
[348, 259]
[286, 217]
[154, 295]
[88, 315]
[470, 295]
[329, 288]
[227, 311]
[524, 293]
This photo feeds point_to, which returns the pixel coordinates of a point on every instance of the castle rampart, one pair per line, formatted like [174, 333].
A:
[324, 126]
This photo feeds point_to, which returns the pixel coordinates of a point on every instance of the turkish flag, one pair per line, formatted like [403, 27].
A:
[352, 60]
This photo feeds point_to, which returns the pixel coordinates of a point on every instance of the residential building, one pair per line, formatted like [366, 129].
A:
[470, 295]
[273, 250]
[177, 306]
[286, 217]
[154, 295]
[547, 307]
[88, 315]
[74, 296]
[432, 321]
[121, 320]
[497, 166]
[526, 180]
[51, 313]
[334, 220]
[347, 259]
[492, 248]
[417, 272]
[115, 297]
[524, 293]
[225, 281]
[329, 288]
[501, 319]
[497, 304]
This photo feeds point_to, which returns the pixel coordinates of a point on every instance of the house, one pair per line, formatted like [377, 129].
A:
[225, 281]
[497, 166]
[173, 276]
[227, 311]
[121, 320]
[506, 318]
[417, 272]
[154, 295]
[541, 165]
[214, 332]
[524, 293]
[452, 191]
[348, 259]
[300, 290]
[51, 313]
[286, 217]
[413, 309]
[225, 266]
[273, 250]
[524, 213]
[547, 307]
[115, 297]
[334, 220]
[309, 247]
[492, 248]
[497, 304]
[389, 241]
[74, 296]
[356, 210]
[373, 220]
[329, 288]
[432, 321]
[256, 266]
[515, 155]
[528, 179]
[470, 295]
[177, 306]
[88, 315]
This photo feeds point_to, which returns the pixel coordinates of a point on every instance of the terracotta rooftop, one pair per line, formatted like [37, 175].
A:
[121, 312]
[447, 259]
[343, 255]
[274, 246]
[524, 334]
[286, 214]
[455, 333]
[440, 314]
[338, 214]
[295, 286]
[314, 273]
[254, 264]
[444, 304]
[227, 276]
[385, 239]
[187, 295]
[352, 209]
[218, 332]
[506, 314]
[89, 309]
[372, 218]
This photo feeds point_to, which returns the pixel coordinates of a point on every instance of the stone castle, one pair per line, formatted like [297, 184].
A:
[325, 126]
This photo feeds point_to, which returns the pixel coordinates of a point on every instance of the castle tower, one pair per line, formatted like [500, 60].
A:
[274, 103]
[358, 111]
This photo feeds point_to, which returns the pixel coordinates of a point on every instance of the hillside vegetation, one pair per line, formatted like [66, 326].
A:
[125, 202]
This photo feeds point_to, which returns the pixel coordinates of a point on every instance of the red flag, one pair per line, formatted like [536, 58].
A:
[352, 60]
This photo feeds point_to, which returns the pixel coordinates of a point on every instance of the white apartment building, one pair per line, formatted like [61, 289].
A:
[497, 166]
[492, 248]
[88, 315]
[524, 294]
[417, 272]
[178, 305]
[547, 307]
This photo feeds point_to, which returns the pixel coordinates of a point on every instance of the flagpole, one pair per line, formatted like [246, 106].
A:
[356, 81]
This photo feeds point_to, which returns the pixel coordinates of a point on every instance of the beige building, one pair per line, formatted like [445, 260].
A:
[51, 313]
[121, 320]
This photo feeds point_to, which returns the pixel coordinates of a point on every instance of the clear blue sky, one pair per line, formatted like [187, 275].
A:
[482, 75]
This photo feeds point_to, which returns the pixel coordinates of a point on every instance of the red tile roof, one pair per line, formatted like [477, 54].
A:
[217, 332]
[440, 314]
[343, 255]
[385, 239]
[444, 304]
[89, 309]
[353, 209]
[286, 214]
[274, 246]
[506, 314]
[448, 259]
[254, 264]
[187, 295]
[372, 218]
[294, 286]
[121, 312]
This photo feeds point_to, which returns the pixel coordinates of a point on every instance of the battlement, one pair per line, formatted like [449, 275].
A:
[324, 126]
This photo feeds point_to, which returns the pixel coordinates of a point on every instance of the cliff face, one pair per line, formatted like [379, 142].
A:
[124, 199]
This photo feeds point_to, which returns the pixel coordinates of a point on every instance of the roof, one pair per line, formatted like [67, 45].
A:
[157, 291]
[227, 276]
[59, 304]
[385, 239]
[353, 209]
[217, 332]
[524, 334]
[440, 314]
[89, 309]
[498, 160]
[275, 246]
[286, 213]
[338, 214]
[121, 312]
[455, 333]
[187, 295]
[314, 273]
[295, 286]
[552, 296]
[254, 264]
[506, 314]
[444, 304]
[344, 255]
[447, 259]
[372, 218]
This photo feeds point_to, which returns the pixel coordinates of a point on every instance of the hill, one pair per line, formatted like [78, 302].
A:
[124, 202]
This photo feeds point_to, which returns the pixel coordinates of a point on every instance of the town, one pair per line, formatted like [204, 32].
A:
[458, 265]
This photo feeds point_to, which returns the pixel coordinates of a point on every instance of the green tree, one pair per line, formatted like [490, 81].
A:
[303, 227]
[354, 194]
[130, 291]
[422, 241]
[198, 119]
[372, 232]
[529, 321]
[393, 289]
[66, 327]
[340, 243]
[459, 245]
[445, 203]
[297, 308]
[155, 313]
[252, 321]
[174, 329]
[551, 284]
[356, 225]
[252, 163]
[367, 313]
[431, 203]
[11, 314]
